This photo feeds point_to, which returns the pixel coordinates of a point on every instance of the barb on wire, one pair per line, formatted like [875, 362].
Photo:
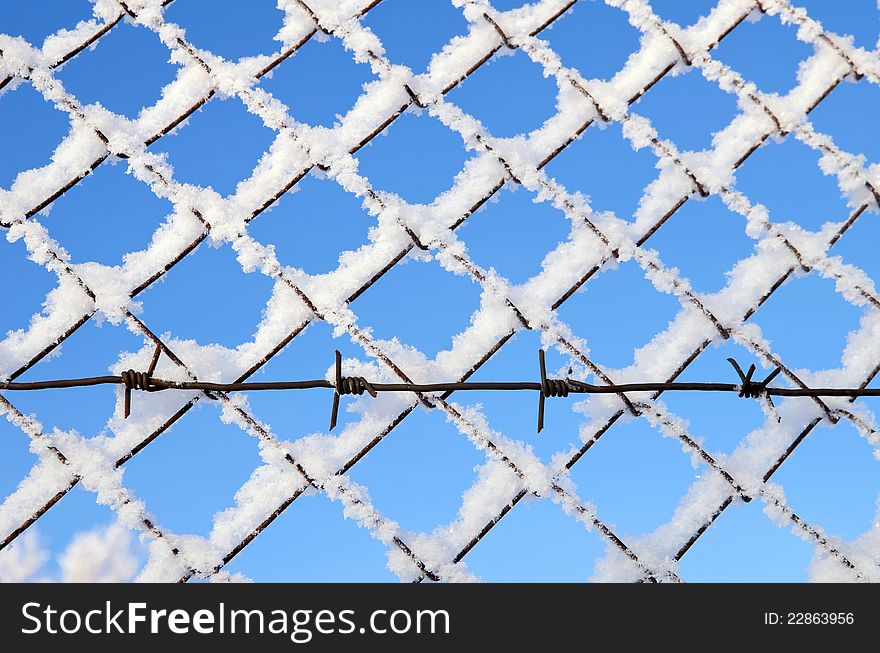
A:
[550, 388]
[357, 385]
[139, 380]
[756, 389]
[345, 385]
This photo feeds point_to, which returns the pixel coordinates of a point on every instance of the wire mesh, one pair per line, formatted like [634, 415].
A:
[490, 31]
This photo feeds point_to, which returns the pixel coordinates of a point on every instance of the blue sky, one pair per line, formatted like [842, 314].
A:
[417, 474]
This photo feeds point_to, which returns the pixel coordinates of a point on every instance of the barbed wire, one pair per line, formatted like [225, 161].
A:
[358, 385]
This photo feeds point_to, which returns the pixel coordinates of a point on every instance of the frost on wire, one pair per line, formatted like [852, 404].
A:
[512, 471]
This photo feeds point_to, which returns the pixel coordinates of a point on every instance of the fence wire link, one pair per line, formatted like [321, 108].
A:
[493, 31]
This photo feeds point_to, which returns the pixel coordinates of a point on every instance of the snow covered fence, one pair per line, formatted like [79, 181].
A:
[597, 240]
[357, 385]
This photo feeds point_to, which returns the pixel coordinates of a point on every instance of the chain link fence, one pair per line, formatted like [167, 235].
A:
[597, 241]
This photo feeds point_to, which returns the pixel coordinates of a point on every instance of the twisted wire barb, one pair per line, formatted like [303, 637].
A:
[357, 385]
[346, 385]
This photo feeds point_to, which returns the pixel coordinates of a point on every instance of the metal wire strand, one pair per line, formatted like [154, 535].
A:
[358, 385]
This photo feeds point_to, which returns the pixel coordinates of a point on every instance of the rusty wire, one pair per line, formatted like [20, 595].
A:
[546, 387]
[358, 385]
